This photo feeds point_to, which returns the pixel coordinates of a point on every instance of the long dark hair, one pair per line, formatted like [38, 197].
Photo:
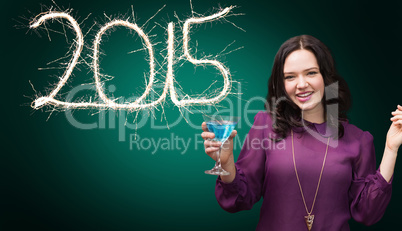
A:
[286, 113]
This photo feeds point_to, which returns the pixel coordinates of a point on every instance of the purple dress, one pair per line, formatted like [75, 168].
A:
[350, 184]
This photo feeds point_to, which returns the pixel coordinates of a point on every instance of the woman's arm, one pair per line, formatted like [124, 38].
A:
[369, 192]
[388, 163]
[394, 140]
[243, 187]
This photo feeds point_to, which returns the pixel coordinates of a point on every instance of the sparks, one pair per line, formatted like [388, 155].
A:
[136, 105]
[39, 102]
[225, 72]
[141, 102]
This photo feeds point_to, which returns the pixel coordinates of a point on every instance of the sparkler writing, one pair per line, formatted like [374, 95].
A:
[225, 72]
[141, 102]
[109, 103]
[79, 43]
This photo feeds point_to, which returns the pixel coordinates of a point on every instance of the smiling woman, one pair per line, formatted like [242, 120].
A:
[56, 176]
[305, 65]
[327, 172]
[304, 84]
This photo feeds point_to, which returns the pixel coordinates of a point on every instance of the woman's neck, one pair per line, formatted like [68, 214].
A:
[314, 116]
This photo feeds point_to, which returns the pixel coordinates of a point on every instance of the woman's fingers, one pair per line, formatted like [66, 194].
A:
[211, 150]
[233, 134]
[211, 147]
[397, 117]
[211, 143]
[207, 135]
[398, 122]
[397, 112]
[204, 127]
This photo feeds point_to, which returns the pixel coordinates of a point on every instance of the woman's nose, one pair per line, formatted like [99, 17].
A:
[302, 83]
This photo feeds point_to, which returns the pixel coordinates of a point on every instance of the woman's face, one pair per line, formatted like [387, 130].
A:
[303, 81]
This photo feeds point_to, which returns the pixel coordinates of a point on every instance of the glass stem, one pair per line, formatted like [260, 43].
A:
[218, 160]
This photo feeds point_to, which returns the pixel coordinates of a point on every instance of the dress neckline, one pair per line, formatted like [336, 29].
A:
[321, 128]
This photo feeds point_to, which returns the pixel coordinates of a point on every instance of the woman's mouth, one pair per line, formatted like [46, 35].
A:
[303, 97]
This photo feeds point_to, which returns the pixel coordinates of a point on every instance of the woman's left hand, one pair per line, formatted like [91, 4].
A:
[394, 135]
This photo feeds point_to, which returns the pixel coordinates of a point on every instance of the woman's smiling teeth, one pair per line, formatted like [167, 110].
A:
[305, 94]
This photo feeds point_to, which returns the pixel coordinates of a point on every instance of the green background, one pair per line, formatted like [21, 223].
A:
[56, 176]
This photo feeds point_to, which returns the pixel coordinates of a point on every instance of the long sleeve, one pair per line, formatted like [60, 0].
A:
[369, 192]
[246, 188]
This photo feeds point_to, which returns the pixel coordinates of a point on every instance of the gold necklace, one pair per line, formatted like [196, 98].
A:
[310, 217]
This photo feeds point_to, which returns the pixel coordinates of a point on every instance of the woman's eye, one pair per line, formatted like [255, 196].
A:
[289, 77]
[312, 73]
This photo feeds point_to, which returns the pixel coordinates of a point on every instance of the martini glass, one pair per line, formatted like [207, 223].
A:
[222, 127]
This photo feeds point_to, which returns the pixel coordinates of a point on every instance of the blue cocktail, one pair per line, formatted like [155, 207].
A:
[222, 127]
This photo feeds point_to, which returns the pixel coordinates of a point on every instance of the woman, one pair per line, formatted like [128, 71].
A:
[326, 172]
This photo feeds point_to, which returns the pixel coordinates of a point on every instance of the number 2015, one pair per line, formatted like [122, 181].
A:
[138, 104]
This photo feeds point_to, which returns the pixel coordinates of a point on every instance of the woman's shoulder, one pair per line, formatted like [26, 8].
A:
[353, 132]
[263, 117]
[262, 120]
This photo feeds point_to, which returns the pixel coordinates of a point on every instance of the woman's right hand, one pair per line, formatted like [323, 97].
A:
[212, 147]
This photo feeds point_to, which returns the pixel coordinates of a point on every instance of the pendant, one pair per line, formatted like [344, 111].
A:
[309, 221]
